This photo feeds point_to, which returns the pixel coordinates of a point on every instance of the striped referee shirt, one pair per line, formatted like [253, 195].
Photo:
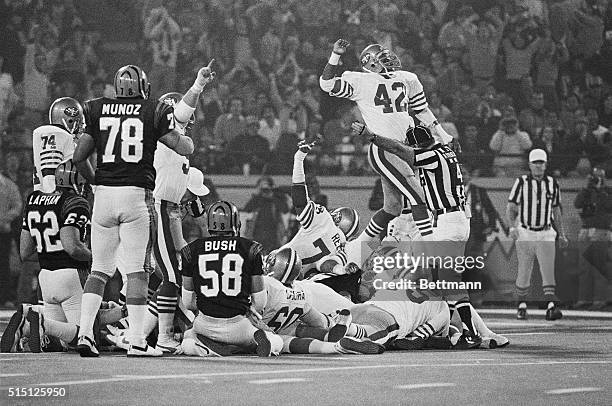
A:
[440, 177]
[536, 199]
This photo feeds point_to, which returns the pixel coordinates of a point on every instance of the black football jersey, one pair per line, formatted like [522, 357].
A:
[45, 214]
[221, 268]
[125, 132]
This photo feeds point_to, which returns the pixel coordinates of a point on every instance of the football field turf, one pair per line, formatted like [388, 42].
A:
[547, 363]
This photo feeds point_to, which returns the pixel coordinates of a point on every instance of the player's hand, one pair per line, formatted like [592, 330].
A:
[357, 128]
[563, 241]
[514, 233]
[305, 146]
[206, 75]
[351, 268]
[441, 135]
[340, 46]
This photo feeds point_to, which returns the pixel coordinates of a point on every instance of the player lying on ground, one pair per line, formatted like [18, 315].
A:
[55, 226]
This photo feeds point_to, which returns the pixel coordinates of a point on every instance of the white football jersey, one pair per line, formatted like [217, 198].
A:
[285, 306]
[410, 315]
[323, 298]
[383, 100]
[318, 238]
[171, 174]
[51, 145]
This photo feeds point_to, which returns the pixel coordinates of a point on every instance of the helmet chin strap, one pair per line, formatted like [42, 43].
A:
[67, 127]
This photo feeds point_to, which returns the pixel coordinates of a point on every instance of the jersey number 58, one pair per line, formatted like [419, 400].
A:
[229, 281]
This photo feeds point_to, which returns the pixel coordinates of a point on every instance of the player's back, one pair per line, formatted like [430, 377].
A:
[172, 170]
[323, 298]
[51, 145]
[126, 132]
[221, 268]
[317, 238]
[44, 215]
[285, 305]
[383, 101]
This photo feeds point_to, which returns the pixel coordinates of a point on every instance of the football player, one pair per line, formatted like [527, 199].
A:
[289, 303]
[384, 93]
[222, 278]
[55, 226]
[171, 191]
[54, 143]
[124, 132]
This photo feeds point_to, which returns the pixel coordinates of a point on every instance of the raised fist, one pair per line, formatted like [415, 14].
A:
[340, 46]
[305, 146]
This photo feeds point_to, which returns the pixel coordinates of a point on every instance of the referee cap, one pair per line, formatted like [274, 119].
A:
[195, 182]
[537, 155]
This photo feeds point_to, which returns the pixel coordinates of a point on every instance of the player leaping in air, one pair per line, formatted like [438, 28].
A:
[383, 93]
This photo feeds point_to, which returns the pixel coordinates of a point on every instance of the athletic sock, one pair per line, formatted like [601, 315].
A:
[166, 306]
[479, 324]
[377, 224]
[465, 312]
[90, 305]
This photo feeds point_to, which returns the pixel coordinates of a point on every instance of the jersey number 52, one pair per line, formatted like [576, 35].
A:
[130, 140]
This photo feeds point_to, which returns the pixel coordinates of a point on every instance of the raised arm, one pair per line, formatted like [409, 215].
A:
[299, 192]
[327, 82]
[186, 107]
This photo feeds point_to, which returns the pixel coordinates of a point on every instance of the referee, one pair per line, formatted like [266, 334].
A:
[532, 205]
[442, 184]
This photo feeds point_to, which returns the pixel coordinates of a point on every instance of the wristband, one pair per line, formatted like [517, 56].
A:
[334, 59]
[196, 88]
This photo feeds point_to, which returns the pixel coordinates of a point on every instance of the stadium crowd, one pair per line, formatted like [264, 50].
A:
[503, 77]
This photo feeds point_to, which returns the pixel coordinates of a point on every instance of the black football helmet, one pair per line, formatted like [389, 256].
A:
[419, 137]
[283, 265]
[172, 99]
[377, 59]
[222, 218]
[347, 220]
[68, 113]
[67, 176]
[130, 82]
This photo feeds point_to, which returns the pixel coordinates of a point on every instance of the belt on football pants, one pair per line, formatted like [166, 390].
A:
[439, 212]
[543, 228]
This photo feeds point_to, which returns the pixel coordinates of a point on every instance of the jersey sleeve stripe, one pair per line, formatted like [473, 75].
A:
[309, 220]
[51, 152]
[306, 211]
[515, 193]
[342, 256]
[418, 106]
[346, 90]
[419, 94]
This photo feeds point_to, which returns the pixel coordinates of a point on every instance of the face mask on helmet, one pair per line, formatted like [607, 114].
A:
[283, 265]
[68, 113]
[376, 59]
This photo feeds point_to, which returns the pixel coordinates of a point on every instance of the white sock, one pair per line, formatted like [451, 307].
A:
[166, 321]
[90, 305]
[61, 330]
[551, 305]
[150, 322]
[479, 324]
[522, 305]
[136, 316]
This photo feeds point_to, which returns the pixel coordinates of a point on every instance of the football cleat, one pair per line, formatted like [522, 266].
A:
[120, 340]
[146, 351]
[87, 347]
[169, 345]
[350, 345]
[553, 313]
[495, 341]
[37, 331]
[521, 313]
[11, 338]
[264, 346]
[342, 322]
[468, 341]
[409, 343]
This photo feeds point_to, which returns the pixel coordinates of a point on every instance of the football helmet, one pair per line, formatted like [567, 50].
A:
[283, 265]
[68, 113]
[377, 59]
[347, 220]
[222, 218]
[419, 137]
[66, 175]
[172, 99]
[131, 81]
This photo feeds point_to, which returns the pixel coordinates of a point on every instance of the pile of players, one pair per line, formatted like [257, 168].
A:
[309, 296]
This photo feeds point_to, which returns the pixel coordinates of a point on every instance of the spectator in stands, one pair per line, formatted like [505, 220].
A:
[605, 112]
[548, 140]
[231, 124]
[456, 32]
[548, 60]
[8, 97]
[511, 144]
[270, 126]
[436, 106]
[292, 113]
[249, 151]
[531, 119]
[569, 111]
[165, 35]
[10, 209]
[474, 150]
[213, 104]
[482, 46]
[13, 46]
[36, 79]
[267, 208]
[597, 142]
[339, 128]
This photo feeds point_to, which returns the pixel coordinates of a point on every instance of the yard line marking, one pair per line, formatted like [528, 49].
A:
[535, 333]
[571, 390]
[10, 375]
[426, 385]
[323, 357]
[119, 378]
[282, 380]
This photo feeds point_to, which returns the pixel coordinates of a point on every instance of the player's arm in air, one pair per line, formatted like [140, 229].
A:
[75, 215]
[418, 103]
[395, 147]
[338, 87]
[186, 107]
